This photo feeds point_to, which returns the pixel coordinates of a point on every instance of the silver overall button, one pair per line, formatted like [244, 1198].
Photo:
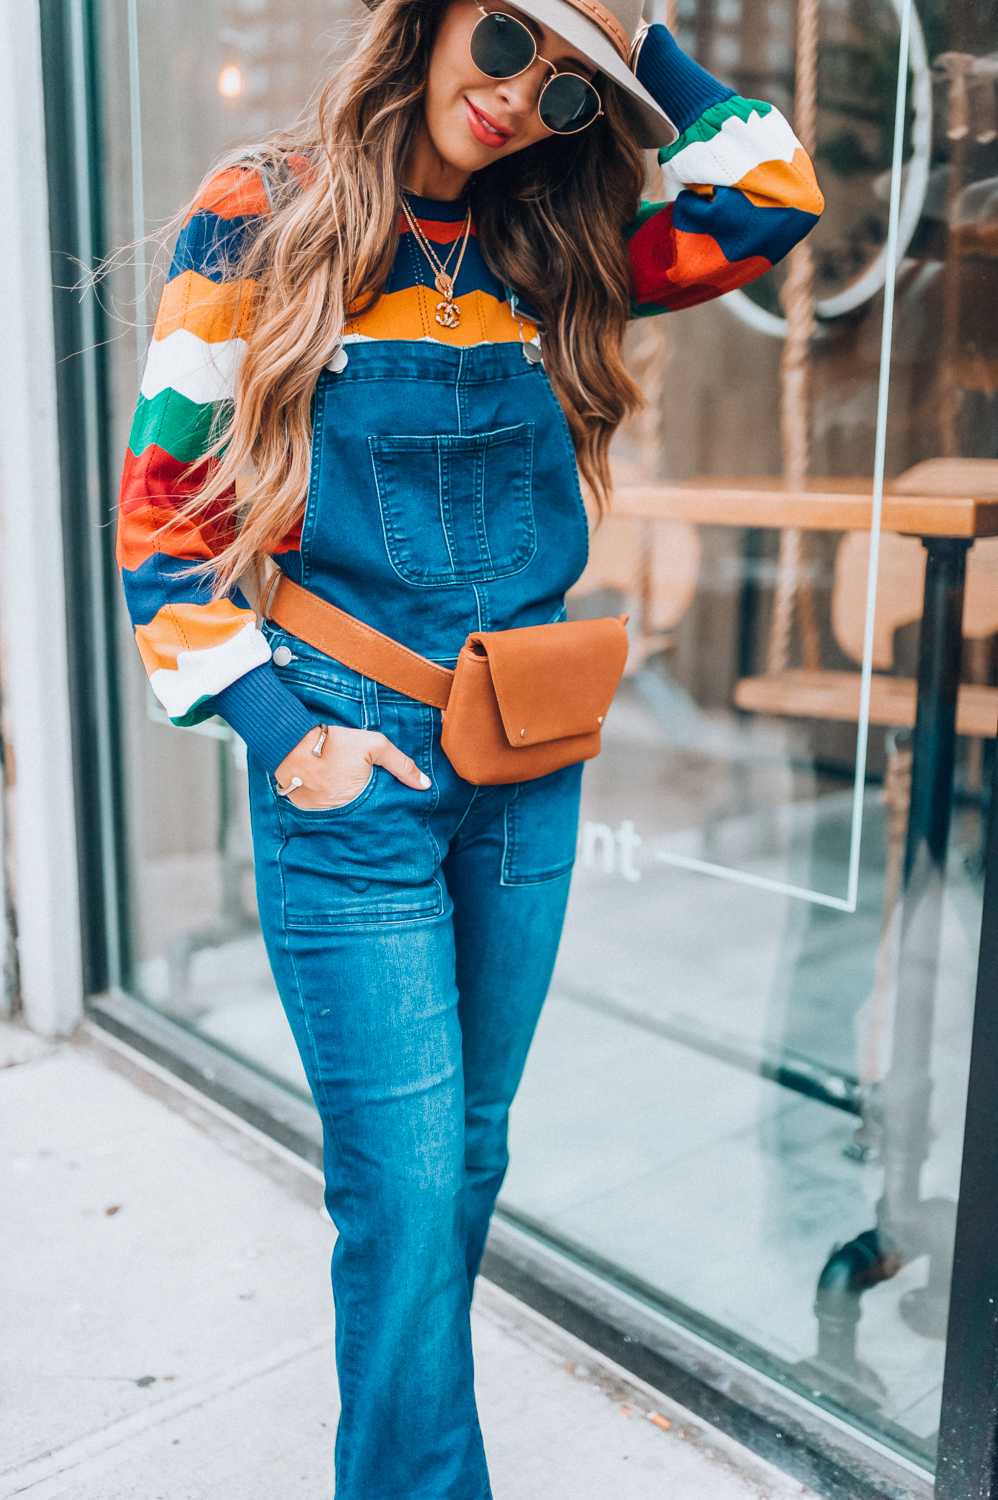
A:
[339, 361]
[532, 354]
[283, 656]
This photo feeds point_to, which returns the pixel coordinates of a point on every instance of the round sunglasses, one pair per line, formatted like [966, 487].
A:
[502, 47]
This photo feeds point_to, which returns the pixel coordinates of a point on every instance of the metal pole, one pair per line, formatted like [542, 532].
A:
[968, 1428]
[907, 1226]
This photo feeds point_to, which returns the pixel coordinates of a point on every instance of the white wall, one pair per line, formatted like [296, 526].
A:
[41, 832]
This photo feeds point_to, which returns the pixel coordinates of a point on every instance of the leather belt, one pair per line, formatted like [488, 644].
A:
[356, 645]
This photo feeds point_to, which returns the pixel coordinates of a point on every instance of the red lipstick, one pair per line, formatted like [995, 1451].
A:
[487, 132]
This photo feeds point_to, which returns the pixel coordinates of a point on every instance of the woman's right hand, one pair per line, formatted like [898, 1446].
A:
[344, 768]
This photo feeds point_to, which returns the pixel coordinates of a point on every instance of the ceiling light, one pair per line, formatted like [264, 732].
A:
[230, 81]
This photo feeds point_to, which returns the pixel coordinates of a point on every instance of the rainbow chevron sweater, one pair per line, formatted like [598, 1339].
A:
[745, 194]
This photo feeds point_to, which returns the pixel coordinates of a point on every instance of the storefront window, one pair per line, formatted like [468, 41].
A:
[196, 81]
[747, 1092]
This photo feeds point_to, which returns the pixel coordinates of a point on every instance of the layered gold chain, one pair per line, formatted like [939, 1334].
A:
[448, 313]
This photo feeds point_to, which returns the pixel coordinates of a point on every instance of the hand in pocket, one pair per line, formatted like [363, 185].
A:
[344, 768]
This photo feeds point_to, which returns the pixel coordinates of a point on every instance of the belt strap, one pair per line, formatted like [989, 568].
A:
[356, 645]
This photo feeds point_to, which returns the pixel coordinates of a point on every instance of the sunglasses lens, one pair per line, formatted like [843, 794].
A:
[501, 47]
[568, 103]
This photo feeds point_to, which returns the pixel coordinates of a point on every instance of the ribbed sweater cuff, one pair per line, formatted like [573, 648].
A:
[265, 714]
[675, 81]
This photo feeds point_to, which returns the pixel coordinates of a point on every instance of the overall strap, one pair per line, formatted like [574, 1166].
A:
[356, 645]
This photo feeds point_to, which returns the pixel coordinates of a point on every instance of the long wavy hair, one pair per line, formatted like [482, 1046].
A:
[548, 219]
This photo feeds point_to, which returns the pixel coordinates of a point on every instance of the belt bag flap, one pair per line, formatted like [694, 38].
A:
[553, 682]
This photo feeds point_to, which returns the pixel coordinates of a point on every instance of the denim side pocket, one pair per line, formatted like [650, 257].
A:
[289, 810]
[541, 828]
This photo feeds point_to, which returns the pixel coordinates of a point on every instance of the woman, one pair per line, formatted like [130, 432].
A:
[400, 328]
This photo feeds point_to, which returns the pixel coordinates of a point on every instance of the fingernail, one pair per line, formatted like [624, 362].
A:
[424, 781]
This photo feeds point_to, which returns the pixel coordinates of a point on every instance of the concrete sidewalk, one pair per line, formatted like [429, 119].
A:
[167, 1321]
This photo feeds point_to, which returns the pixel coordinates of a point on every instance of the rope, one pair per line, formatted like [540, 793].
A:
[954, 68]
[792, 586]
[649, 360]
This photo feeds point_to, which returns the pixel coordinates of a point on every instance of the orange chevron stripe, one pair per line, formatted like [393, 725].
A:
[212, 311]
[239, 190]
[411, 314]
[188, 627]
[784, 184]
[231, 194]
[156, 528]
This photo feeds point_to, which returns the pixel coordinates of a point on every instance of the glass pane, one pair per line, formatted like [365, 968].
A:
[205, 78]
[728, 1081]
[716, 1097]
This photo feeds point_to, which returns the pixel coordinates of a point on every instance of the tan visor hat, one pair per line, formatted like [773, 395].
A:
[605, 34]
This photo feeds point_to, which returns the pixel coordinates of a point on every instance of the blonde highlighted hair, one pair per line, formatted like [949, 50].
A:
[549, 222]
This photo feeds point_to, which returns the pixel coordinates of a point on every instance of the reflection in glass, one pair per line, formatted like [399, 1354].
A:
[767, 1095]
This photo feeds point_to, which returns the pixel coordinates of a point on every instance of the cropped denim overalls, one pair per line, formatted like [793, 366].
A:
[413, 934]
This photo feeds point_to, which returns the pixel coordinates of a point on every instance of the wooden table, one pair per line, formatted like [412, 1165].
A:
[826, 505]
[947, 524]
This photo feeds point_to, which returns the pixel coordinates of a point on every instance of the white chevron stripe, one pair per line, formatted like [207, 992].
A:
[201, 372]
[736, 149]
[202, 674]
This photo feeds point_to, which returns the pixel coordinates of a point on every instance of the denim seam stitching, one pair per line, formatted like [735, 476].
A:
[507, 818]
[285, 930]
[311, 499]
[426, 718]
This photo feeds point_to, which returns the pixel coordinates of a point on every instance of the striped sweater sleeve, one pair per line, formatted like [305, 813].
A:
[193, 646]
[747, 189]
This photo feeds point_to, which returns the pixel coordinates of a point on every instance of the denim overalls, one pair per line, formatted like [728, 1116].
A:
[413, 934]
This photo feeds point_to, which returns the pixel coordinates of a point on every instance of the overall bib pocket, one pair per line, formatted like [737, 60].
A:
[457, 509]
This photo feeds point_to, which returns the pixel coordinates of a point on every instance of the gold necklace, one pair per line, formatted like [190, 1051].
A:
[448, 313]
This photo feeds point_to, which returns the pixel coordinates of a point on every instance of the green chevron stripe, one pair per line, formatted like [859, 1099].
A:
[647, 309]
[180, 427]
[199, 710]
[711, 121]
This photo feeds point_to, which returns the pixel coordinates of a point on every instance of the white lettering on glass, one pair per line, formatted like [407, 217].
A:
[627, 842]
[624, 842]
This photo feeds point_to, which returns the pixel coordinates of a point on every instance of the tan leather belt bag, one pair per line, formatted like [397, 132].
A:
[519, 704]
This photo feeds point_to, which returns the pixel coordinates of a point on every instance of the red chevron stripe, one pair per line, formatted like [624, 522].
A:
[437, 232]
[157, 474]
[291, 541]
[153, 489]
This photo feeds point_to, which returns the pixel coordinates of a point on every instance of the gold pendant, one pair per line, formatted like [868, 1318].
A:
[444, 285]
[448, 314]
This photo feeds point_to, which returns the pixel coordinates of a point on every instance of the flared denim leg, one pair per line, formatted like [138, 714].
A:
[375, 1016]
[509, 885]
[413, 1004]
